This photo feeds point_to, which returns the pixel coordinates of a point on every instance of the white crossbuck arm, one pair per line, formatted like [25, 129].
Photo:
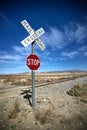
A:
[33, 35]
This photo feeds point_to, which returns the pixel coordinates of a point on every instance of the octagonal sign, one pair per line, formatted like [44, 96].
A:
[33, 62]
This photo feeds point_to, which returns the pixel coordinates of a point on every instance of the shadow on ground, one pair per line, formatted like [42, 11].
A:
[27, 95]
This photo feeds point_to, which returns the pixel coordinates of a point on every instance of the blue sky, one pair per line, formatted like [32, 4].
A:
[65, 38]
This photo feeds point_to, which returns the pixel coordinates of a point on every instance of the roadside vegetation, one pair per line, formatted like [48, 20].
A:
[25, 79]
[15, 110]
[43, 117]
[79, 91]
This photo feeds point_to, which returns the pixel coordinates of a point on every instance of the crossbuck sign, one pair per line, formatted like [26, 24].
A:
[33, 35]
[33, 62]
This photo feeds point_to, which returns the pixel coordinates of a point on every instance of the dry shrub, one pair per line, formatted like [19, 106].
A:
[43, 117]
[15, 110]
[24, 83]
[79, 90]
[16, 79]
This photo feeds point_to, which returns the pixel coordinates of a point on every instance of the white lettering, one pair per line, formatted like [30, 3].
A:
[25, 42]
[38, 62]
[28, 39]
[35, 62]
[28, 61]
[32, 62]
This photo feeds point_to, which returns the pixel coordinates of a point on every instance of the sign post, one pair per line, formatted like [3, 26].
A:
[34, 62]
[33, 81]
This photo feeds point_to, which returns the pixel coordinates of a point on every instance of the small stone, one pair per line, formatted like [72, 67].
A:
[64, 126]
[1, 120]
[13, 126]
[48, 128]
[3, 125]
[27, 128]
[36, 123]
[44, 100]
[48, 98]
[81, 123]
[38, 101]
[31, 112]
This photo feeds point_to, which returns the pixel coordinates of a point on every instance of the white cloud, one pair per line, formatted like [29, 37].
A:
[54, 38]
[58, 39]
[81, 33]
[70, 54]
[22, 50]
[8, 22]
[10, 57]
[83, 48]
[76, 33]
[5, 62]
[18, 54]
[60, 58]
[85, 53]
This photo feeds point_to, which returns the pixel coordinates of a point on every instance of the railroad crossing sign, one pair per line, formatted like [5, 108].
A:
[33, 62]
[33, 35]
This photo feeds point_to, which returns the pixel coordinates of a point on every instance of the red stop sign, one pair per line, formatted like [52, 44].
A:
[33, 62]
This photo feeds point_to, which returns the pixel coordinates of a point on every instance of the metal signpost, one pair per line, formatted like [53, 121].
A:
[32, 61]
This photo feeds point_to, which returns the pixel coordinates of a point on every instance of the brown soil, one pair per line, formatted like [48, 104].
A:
[54, 108]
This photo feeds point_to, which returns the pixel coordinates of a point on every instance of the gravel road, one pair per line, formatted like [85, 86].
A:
[62, 86]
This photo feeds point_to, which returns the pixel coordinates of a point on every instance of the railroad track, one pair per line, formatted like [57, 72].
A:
[37, 84]
[6, 91]
[57, 81]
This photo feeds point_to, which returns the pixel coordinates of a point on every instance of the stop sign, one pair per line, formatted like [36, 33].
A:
[33, 62]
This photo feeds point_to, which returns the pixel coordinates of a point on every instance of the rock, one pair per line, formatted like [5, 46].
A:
[48, 98]
[38, 101]
[48, 129]
[44, 100]
[4, 125]
[13, 126]
[81, 123]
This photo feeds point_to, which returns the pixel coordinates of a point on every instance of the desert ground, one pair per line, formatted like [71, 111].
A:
[60, 101]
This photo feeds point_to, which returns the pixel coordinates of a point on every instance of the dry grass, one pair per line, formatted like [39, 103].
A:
[79, 91]
[25, 79]
[43, 117]
[16, 79]
[15, 110]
